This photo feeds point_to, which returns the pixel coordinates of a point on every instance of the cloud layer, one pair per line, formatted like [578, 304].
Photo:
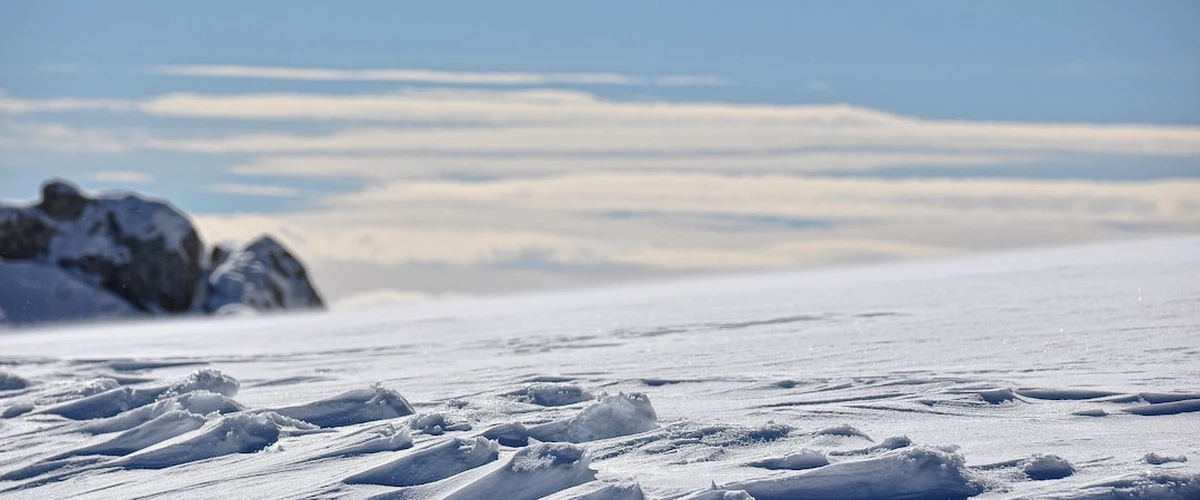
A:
[507, 189]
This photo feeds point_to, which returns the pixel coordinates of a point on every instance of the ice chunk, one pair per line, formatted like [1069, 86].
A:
[551, 394]
[532, 473]
[432, 463]
[235, 433]
[609, 417]
[912, 473]
[351, 407]
[803, 459]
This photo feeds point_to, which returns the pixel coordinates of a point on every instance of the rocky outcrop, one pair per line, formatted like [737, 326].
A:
[146, 253]
[262, 275]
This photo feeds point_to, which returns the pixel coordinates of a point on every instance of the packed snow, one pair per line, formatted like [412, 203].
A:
[1067, 374]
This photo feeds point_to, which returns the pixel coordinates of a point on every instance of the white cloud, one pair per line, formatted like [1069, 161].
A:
[256, 190]
[575, 122]
[385, 166]
[673, 223]
[14, 106]
[428, 76]
[122, 176]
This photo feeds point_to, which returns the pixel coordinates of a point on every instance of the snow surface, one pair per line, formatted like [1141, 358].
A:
[1067, 373]
[34, 291]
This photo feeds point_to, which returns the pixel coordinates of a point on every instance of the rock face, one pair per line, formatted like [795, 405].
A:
[143, 251]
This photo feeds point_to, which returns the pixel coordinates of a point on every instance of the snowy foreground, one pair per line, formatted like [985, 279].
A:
[1067, 373]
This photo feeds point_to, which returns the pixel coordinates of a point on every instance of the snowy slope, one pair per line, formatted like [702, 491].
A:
[33, 292]
[1064, 373]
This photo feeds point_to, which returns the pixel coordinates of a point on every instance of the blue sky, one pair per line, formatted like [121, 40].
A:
[252, 115]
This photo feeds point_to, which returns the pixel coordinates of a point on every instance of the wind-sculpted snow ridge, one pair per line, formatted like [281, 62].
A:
[608, 417]
[601, 490]
[533, 472]
[114, 401]
[201, 402]
[801, 460]
[386, 437]
[1156, 485]
[433, 463]
[236, 433]
[351, 407]
[911, 474]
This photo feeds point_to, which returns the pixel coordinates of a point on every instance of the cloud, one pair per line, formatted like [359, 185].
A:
[428, 76]
[690, 223]
[561, 121]
[122, 177]
[256, 190]
[15, 106]
[457, 123]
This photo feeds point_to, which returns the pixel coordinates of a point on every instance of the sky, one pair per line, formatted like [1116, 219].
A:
[420, 150]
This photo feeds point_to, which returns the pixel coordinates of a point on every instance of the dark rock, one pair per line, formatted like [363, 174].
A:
[62, 200]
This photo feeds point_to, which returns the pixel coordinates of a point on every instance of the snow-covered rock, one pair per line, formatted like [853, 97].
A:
[71, 256]
[140, 249]
[262, 275]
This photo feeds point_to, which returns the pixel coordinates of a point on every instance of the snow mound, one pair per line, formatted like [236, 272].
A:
[200, 402]
[844, 430]
[1156, 459]
[435, 424]
[909, 474]
[509, 434]
[236, 433]
[432, 463]
[351, 407]
[551, 394]
[801, 460]
[1044, 467]
[385, 437]
[532, 473]
[204, 379]
[17, 410]
[161, 428]
[601, 490]
[998, 396]
[12, 382]
[608, 417]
